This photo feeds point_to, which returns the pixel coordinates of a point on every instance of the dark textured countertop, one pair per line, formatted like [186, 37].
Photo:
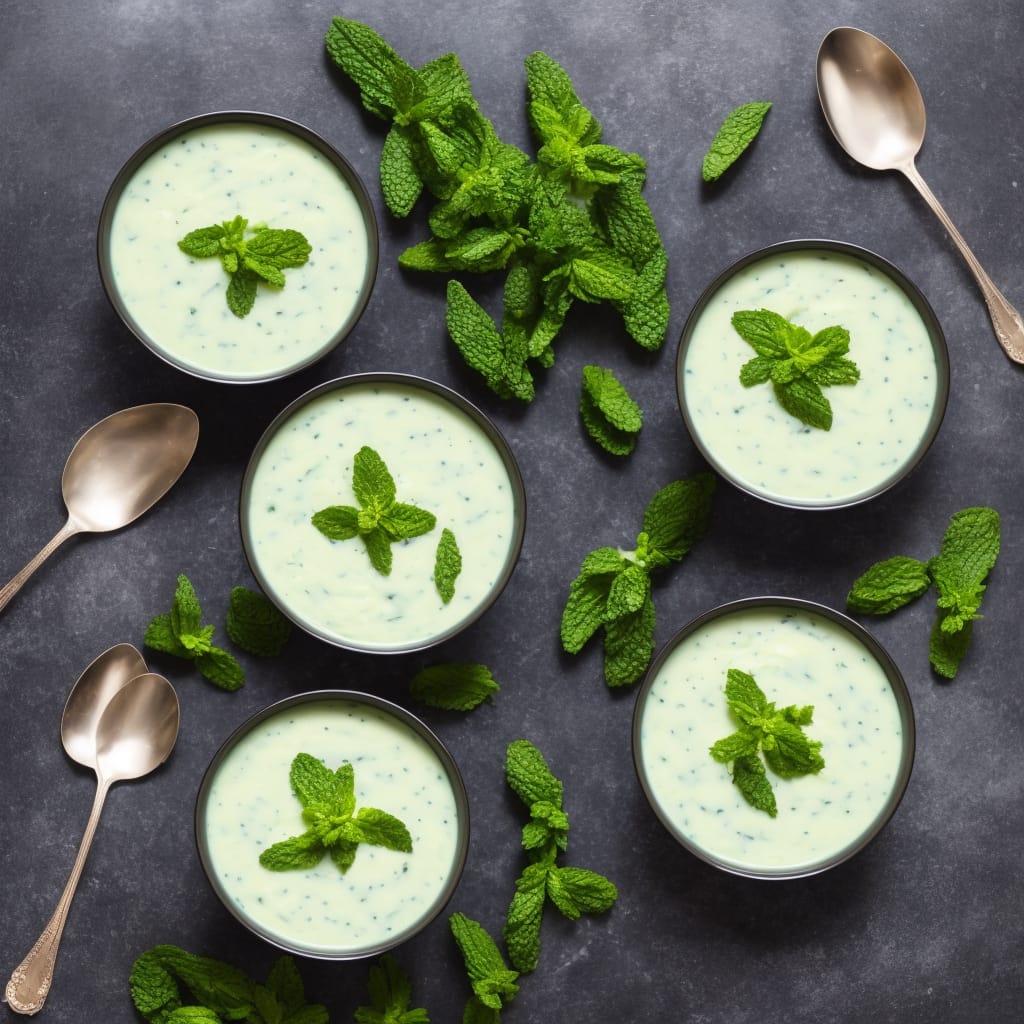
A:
[926, 925]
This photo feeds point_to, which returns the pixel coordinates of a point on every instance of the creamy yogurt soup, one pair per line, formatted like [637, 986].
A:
[881, 425]
[441, 460]
[796, 657]
[246, 804]
[209, 174]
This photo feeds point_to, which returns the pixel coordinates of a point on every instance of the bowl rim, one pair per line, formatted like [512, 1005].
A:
[464, 405]
[412, 722]
[900, 692]
[160, 139]
[917, 299]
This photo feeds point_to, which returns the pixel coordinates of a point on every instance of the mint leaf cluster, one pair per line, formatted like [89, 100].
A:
[248, 255]
[570, 225]
[609, 414]
[612, 593]
[381, 520]
[775, 735]
[738, 130]
[336, 828]
[797, 363]
[572, 890]
[220, 991]
[492, 981]
[453, 686]
[181, 633]
[958, 572]
[390, 996]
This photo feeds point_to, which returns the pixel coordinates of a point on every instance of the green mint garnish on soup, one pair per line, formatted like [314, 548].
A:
[797, 363]
[248, 255]
[778, 736]
[447, 565]
[381, 520]
[336, 829]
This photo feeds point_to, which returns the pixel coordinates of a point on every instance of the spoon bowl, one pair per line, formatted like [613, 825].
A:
[122, 735]
[876, 112]
[118, 469]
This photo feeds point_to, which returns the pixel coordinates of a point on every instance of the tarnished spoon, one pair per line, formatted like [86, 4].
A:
[118, 469]
[134, 734]
[876, 112]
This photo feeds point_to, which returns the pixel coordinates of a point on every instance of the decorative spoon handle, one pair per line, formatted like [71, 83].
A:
[69, 529]
[1006, 321]
[30, 983]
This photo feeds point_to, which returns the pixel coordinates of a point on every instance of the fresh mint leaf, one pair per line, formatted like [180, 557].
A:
[381, 520]
[453, 686]
[255, 624]
[447, 565]
[262, 256]
[182, 634]
[529, 776]
[493, 983]
[610, 415]
[737, 131]
[797, 363]
[948, 647]
[525, 916]
[576, 891]
[888, 585]
[675, 519]
[777, 735]
[390, 996]
[336, 828]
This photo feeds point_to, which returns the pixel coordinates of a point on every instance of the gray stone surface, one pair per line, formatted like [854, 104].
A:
[926, 925]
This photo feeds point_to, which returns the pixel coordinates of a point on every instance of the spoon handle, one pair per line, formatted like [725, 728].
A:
[69, 529]
[30, 983]
[1006, 321]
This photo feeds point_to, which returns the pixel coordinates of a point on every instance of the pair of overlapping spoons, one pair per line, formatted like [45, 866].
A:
[121, 720]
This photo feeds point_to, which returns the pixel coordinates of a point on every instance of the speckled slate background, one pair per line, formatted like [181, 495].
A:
[927, 924]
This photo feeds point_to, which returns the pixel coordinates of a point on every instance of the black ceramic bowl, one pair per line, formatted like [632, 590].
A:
[201, 173]
[443, 454]
[800, 654]
[246, 804]
[882, 425]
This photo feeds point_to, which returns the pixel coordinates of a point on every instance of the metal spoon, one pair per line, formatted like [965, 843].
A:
[876, 112]
[134, 734]
[118, 469]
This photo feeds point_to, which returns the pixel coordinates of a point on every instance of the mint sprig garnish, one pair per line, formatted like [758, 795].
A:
[571, 225]
[609, 414]
[181, 633]
[797, 363]
[381, 520]
[738, 130]
[612, 592]
[447, 565]
[777, 735]
[453, 686]
[958, 572]
[572, 890]
[219, 990]
[336, 828]
[254, 623]
[492, 981]
[390, 996]
[248, 255]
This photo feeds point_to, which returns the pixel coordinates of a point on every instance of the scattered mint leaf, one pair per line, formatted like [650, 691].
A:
[610, 415]
[222, 991]
[612, 592]
[738, 130]
[572, 224]
[970, 547]
[390, 996]
[262, 256]
[453, 686]
[573, 891]
[255, 624]
[493, 983]
[778, 735]
[447, 565]
[381, 520]
[181, 633]
[335, 827]
[797, 363]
